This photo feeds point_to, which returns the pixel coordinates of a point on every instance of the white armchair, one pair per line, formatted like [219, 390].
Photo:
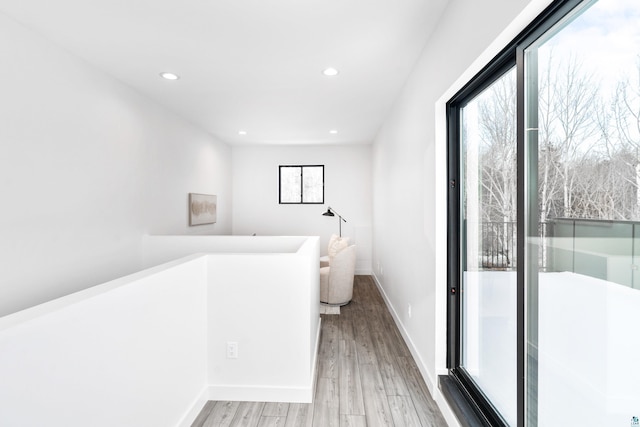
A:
[336, 244]
[336, 281]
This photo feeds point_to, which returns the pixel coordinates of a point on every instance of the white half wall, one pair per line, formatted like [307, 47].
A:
[131, 352]
[263, 294]
[150, 349]
[347, 171]
[410, 177]
[87, 167]
[269, 305]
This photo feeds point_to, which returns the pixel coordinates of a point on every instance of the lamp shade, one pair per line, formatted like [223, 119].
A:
[331, 212]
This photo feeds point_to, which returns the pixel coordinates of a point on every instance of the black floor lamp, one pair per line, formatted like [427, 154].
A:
[332, 212]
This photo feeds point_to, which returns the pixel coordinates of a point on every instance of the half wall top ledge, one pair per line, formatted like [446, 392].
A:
[163, 248]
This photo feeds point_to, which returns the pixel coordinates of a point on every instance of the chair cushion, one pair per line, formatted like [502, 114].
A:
[337, 245]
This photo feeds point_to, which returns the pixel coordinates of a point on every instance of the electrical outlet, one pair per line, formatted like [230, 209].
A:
[409, 310]
[232, 350]
[381, 271]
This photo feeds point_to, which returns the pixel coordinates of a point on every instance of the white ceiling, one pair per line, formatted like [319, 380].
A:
[253, 65]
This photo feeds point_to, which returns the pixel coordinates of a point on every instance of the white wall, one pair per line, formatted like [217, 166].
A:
[87, 166]
[409, 170]
[347, 171]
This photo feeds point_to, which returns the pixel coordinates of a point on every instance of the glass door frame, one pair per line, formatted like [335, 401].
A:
[476, 397]
[526, 149]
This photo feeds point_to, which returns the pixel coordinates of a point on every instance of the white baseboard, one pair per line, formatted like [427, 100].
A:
[195, 409]
[432, 385]
[314, 366]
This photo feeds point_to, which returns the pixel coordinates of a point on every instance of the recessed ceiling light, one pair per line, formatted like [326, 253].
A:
[333, 131]
[242, 132]
[169, 76]
[330, 72]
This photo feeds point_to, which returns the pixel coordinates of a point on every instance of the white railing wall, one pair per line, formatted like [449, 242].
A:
[149, 349]
[269, 305]
[131, 352]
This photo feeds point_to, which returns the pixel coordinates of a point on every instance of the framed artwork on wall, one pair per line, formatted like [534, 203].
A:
[202, 209]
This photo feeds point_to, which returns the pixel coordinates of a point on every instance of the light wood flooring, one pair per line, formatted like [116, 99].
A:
[366, 377]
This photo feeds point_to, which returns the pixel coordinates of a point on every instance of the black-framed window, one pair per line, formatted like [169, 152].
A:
[544, 199]
[301, 184]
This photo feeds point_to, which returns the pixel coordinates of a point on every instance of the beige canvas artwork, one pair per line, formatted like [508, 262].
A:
[202, 209]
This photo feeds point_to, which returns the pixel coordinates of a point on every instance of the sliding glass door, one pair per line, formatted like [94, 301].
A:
[488, 242]
[583, 115]
[544, 223]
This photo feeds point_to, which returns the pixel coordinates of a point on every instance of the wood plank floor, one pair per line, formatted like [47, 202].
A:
[366, 377]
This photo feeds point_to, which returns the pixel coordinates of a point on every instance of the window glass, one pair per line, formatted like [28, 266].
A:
[489, 282]
[313, 184]
[290, 184]
[583, 110]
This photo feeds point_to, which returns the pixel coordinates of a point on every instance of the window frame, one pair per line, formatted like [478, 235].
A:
[302, 168]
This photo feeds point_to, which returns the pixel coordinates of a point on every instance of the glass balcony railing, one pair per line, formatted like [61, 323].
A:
[604, 249]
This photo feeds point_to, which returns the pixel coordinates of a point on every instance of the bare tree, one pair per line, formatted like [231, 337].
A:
[627, 119]
[572, 110]
[549, 155]
[498, 162]
[498, 135]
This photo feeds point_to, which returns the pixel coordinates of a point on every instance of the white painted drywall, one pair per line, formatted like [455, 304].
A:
[131, 352]
[87, 167]
[409, 172]
[347, 171]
